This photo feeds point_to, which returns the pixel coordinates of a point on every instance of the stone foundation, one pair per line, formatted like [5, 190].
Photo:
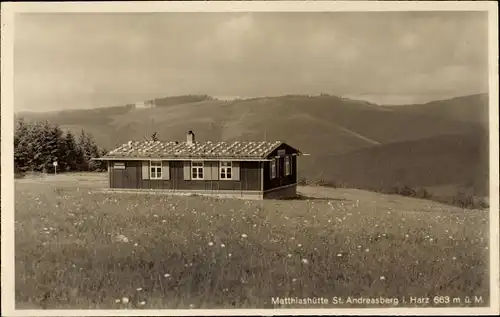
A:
[288, 191]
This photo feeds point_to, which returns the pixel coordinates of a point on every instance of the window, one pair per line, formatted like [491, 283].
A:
[155, 170]
[197, 170]
[273, 169]
[287, 165]
[226, 170]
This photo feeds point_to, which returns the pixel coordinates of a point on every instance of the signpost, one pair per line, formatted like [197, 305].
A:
[55, 167]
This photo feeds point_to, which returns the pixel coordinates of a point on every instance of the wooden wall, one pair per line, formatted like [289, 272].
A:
[281, 179]
[131, 177]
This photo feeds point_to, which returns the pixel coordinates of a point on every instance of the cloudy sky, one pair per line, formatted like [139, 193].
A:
[89, 60]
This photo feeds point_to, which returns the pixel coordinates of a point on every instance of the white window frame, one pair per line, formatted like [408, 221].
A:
[155, 170]
[272, 168]
[223, 170]
[288, 169]
[195, 166]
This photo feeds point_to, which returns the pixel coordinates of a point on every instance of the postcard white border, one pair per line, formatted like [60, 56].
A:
[7, 124]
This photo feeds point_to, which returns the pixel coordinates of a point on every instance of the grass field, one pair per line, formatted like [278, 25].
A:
[79, 249]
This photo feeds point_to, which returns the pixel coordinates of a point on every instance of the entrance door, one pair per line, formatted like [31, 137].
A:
[130, 177]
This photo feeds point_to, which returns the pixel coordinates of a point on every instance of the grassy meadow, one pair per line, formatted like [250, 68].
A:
[77, 248]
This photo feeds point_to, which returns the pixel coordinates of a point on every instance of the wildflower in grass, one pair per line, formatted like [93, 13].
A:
[210, 243]
[136, 244]
[367, 250]
[294, 280]
[139, 289]
[382, 278]
[166, 275]
[164, 220]
[117, 300]
[244, 236]
[229, 255]
[142, 303]
[122, 238]
[222, 245]
[125, 300]
[299, 245]
[339, 254]
[305, 261]
[289, 255]
[454, 258]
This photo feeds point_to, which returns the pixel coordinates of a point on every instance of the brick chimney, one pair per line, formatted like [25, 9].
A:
[190, 138]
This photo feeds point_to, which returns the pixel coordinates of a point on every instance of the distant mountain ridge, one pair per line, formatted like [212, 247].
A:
[423, 145]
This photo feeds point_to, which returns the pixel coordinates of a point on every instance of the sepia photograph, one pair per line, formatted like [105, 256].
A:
[201, 159]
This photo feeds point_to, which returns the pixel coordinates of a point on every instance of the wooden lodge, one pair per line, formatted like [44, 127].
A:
[246, 169]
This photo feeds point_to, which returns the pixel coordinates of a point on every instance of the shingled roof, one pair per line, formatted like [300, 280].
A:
[204, 149]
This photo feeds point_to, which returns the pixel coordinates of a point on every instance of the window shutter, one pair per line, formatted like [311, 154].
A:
[187, 170]
[215, 170]
[207, 171]
[166, 170]
[145, 170]
[236, 171]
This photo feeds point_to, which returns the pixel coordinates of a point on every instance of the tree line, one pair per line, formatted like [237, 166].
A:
[37, 145]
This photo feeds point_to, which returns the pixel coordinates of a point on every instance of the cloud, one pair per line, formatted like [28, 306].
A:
[230, 38]
[98, 58]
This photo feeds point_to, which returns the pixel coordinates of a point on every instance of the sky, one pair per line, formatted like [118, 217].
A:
[87, 60]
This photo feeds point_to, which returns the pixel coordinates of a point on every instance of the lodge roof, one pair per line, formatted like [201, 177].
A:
[202, 150]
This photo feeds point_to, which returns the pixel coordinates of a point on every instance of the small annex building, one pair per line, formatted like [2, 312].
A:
[246, 169]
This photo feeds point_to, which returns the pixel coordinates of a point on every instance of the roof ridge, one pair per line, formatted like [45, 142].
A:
[257, 149]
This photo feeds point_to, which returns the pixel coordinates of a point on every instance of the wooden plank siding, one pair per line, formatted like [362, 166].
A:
[132, 177]
[281, 179]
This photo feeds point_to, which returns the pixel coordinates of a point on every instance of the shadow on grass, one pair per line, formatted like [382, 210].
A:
[305, 197]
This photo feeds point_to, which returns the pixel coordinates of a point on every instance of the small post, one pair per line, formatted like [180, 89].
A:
[55, 167]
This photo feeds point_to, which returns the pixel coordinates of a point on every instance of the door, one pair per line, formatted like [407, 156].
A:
[117, 178]
[130, 176]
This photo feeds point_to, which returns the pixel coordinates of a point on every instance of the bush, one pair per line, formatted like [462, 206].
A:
[302, 181]
[403, 190]
[469, 202]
